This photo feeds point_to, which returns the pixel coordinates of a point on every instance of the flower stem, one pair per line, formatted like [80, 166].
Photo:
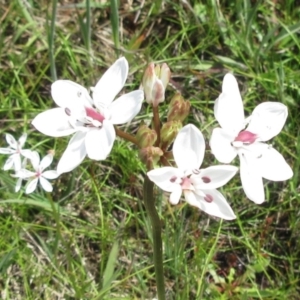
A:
[126, 136]
[157, 241]
[156, 122]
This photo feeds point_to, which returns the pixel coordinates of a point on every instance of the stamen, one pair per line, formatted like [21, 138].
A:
[173, 179]
[208, 198]
[196, 171]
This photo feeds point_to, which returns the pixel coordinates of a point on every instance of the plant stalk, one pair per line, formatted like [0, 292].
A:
[157, 241]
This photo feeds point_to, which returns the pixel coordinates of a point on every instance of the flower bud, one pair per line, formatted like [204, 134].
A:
[150, 156]
[155, 81]
[146, 137]
[178, 109]
[169, 131]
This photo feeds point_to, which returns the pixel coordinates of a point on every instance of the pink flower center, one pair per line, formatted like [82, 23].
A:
[186, 183]
[92, 113]
[246, 137]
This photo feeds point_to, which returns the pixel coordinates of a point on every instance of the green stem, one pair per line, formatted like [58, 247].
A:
[157, 241]
[156, 122]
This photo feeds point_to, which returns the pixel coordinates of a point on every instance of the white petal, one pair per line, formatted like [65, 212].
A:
[26, 153]
[68, 94]
[18, 185]
[176, 194]
[51, 174]
[189, 148]
[46, 185]
[99, 142]
[46, 162]
[22, 140]
[273, 166]
[11, 141]
[267, 120]
[9, 164]
[111, 83]
[220, 144]
[31, 186]
[165, 178]
[35, 160]
[213, 177]
[74, 154]
[229, 109]
[53, 122]
[218, 206]
[251, 179]
[23, 173]
[125, 108]
[7, 151]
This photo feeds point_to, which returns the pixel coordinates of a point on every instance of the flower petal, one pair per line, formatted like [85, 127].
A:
[125, 108]
[31, 186]
[46, 185]
[267, 120]
[189, 148]
[165, 178]
[273, 166]
[215, 205]
[22, 140]
[7, 151]
[46, 162]
[176, 194]
[23, 173]
[111, 83]
[251, 178]
[99, 142]
[220, 144]
[35, 160]
[213, 177]
[53, 122]
[11, 141]
[51, 174]
[69, 94]
[9, 164]
[74, 154]
[18, 185]
[229, 109]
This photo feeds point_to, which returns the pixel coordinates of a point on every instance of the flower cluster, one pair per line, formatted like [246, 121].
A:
[92, 119]
[18, 161]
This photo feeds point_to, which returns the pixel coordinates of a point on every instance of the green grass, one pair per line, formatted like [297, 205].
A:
[90, 238]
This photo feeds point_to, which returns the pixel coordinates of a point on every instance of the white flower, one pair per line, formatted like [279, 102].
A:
[257, 159]
[15, 151]
[198, 186]
[91, 119]
[38, 175]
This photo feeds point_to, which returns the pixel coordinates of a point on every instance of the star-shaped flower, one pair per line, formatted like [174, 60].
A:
[198, 185]
[38, 175]
[15, 151]
[92, 119]
[257, 159]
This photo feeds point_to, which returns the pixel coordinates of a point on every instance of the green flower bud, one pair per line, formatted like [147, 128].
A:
[155, 81]
[178, 109]
[146, 137]
[150, 156]
[169, 131]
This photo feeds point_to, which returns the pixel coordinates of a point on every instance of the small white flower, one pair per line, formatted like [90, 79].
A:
[15, 151]
[198, 186]
[91, 119]
[38, 175]
[257, 159]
